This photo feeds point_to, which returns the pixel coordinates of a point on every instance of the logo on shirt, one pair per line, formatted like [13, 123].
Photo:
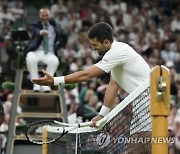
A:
[104, 60]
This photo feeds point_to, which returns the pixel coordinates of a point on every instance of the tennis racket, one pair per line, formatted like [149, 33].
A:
[48, 131]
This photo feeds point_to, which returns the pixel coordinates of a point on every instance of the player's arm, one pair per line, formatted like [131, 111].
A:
[110, 96]
[76, 77]
[85, 75]
[111, 93]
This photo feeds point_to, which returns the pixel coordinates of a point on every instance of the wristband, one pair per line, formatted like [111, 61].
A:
[59, 80]
[104, 110]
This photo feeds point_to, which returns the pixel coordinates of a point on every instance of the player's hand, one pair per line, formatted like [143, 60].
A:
[95, 119]
[47, 80]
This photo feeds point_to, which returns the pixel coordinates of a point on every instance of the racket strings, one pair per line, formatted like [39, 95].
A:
[35, 132]
[48, 131]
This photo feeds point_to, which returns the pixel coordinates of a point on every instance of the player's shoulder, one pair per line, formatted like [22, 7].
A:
[124, 45]
[120, 48]
[120, 45]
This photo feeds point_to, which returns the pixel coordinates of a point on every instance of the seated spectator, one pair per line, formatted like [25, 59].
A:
[167, 54]
[6, 14]
[59, 5]
[47, 38]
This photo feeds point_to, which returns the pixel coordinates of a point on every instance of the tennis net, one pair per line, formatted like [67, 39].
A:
[125, 130]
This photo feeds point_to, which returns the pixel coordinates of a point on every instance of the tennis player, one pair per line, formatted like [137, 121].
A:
[127, 68]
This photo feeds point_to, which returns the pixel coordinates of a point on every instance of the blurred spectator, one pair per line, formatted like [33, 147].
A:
[1, 41]
[16, 8]
[127, 17]
[82, 90]
[177, 131]
[6, 14]
[5, 124]
[174, 77]
[91, 91]
[172, 116]
[155, 58]
[15, 3]
[2, 114]
[69, 51]
[94, 103]
[142, 43]
[177, 49]
[75, 24]
[175, 23]
[101, 91]
[88, 62]
[61, 18]
[3, 94]
[58, 7]
[73, 105]
[171, 145]
[153, 44]
[167, 54]
[8, 104]
[178, 97]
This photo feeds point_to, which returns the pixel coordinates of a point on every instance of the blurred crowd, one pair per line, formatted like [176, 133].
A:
[152, 28]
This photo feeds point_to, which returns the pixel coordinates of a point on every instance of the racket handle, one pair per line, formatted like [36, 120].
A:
[85, 124]
[102, 122]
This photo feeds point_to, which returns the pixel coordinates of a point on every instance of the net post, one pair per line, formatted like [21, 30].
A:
[44, 139]
[159, 108]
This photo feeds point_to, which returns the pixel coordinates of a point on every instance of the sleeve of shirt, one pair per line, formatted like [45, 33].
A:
[111, 60]
[35, 30]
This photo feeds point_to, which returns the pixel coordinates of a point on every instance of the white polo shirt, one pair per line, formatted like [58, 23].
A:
[127, 67]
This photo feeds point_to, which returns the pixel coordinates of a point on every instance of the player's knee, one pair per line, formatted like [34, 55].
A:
[30, 58]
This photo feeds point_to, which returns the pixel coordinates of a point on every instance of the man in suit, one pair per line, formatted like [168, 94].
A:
[47, 37]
